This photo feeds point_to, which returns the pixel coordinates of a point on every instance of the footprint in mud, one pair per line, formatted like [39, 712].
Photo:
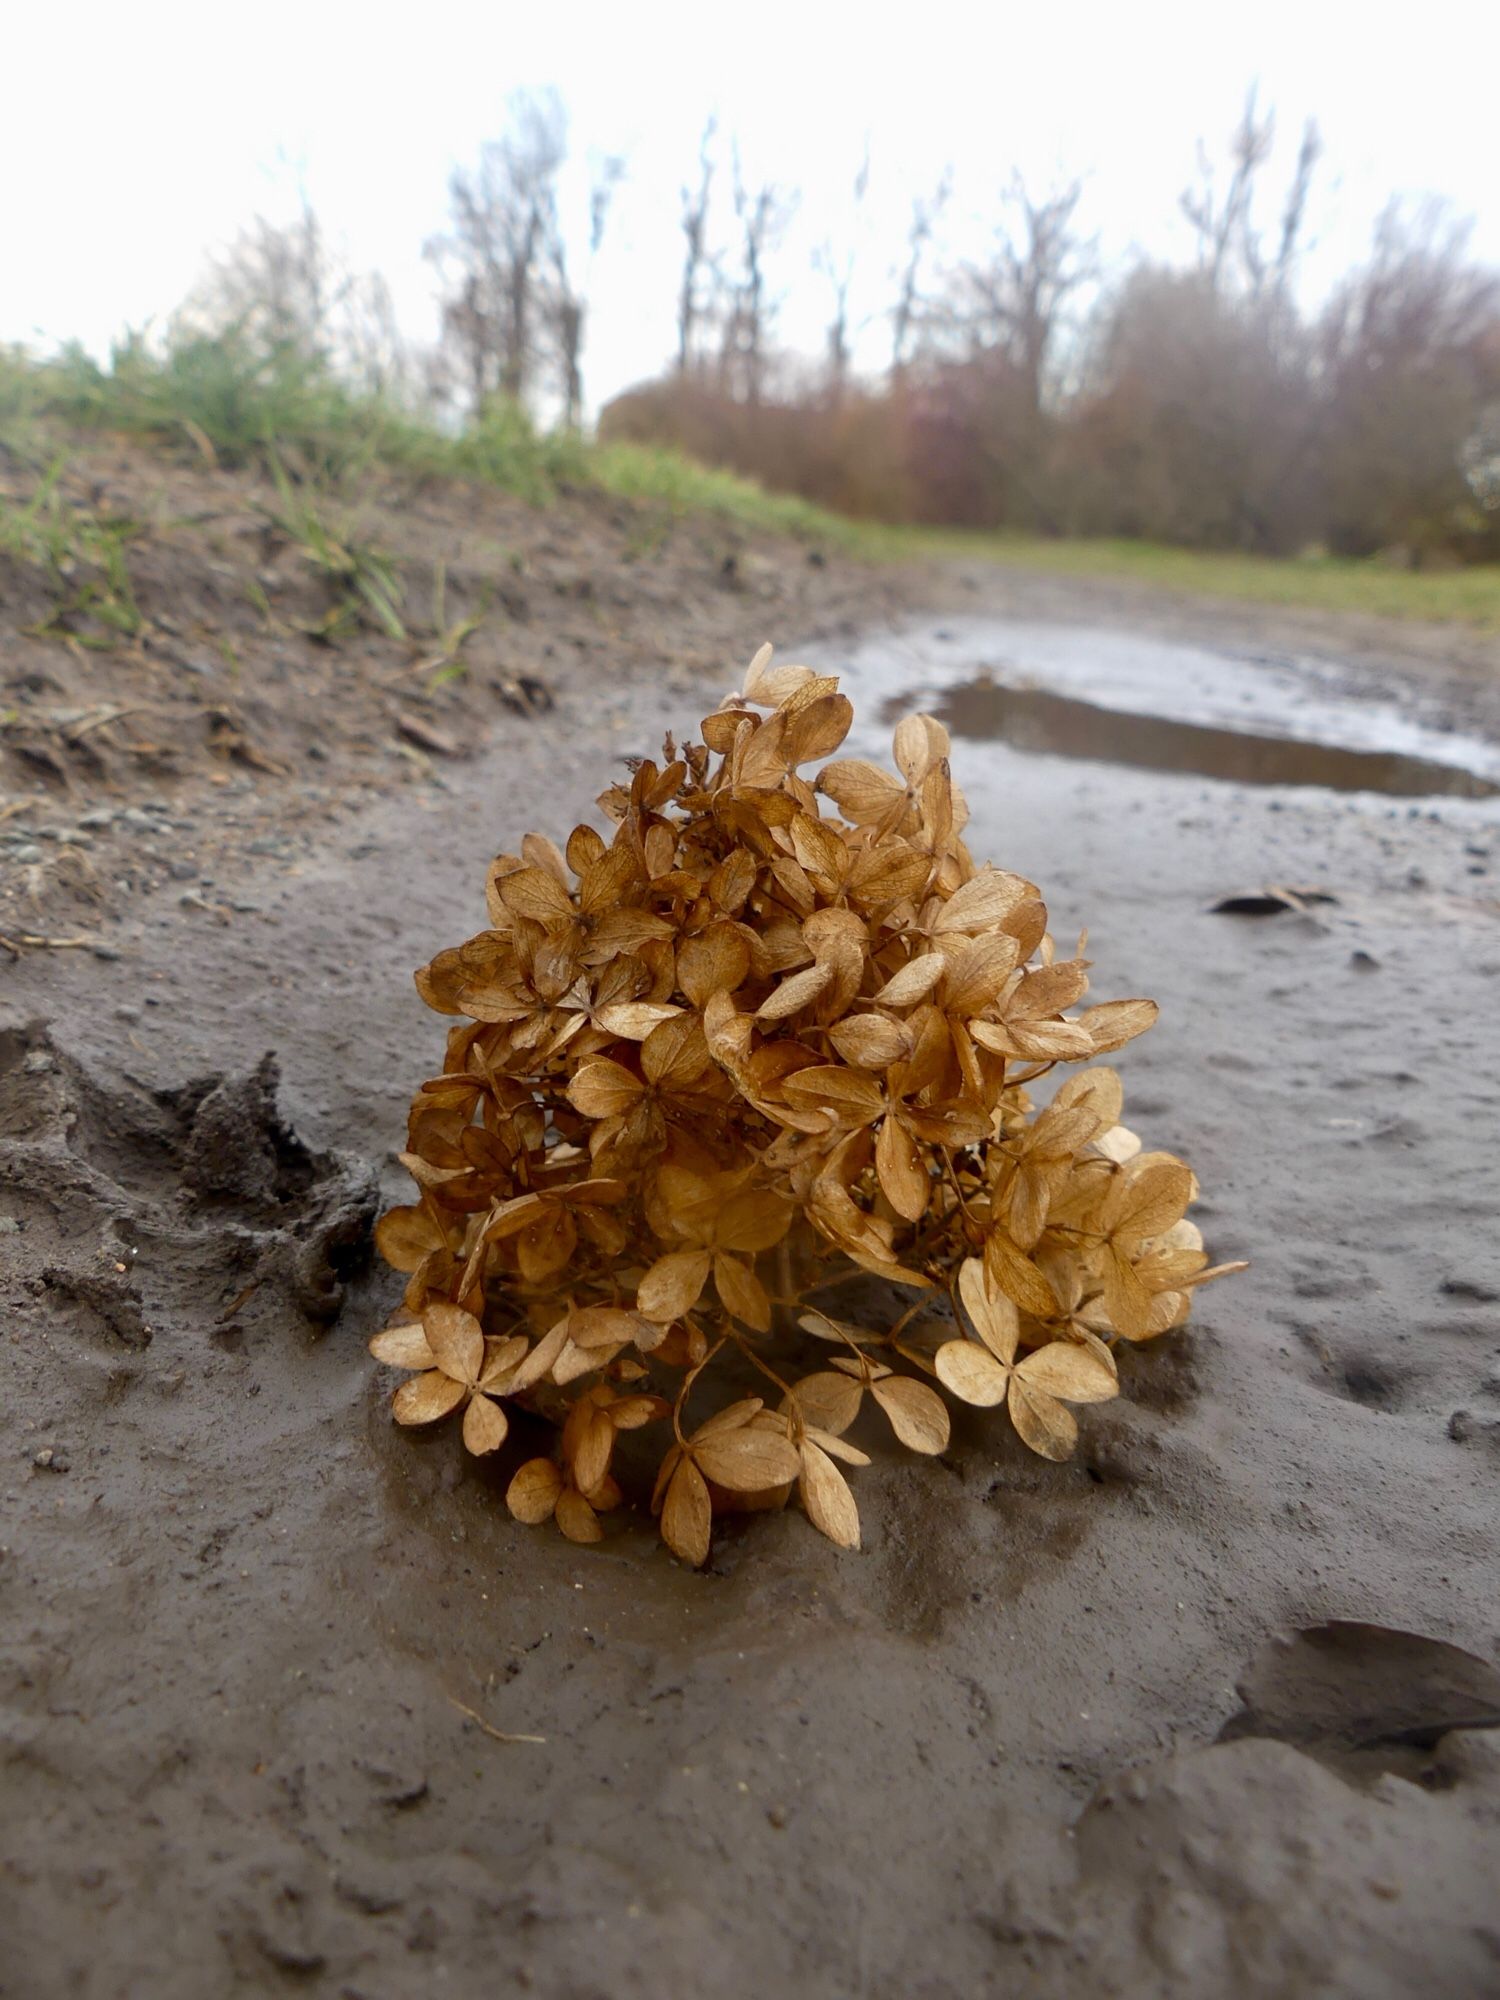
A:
[1364, 1699]
[210, 1173]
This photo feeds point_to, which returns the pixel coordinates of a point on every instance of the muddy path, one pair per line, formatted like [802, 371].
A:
[1210, 1709]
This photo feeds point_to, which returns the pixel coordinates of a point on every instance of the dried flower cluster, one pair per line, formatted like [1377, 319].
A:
[741, 1052]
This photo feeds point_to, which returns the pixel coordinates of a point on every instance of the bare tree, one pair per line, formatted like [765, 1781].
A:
[839, 271]
[696, 260]
[1232, 253]
[1014, 304]
[763, 214]
[925, 212]
[567, 305]
[496, 256]
[1223, 227]
[1294, 212]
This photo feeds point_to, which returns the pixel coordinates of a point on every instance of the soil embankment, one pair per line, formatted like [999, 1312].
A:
[1209, 1710]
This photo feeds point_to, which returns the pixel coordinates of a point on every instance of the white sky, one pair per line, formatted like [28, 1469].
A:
[135, 137]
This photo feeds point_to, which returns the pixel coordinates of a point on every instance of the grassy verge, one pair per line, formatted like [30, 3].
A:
[1322, 583]
[224, 403]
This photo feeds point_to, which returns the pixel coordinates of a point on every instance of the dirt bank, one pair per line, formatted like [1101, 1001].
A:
[1146, 1723]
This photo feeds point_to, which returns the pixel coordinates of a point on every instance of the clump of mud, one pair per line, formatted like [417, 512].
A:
[209, 1175]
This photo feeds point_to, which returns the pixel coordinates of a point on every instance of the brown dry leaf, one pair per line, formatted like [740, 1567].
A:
[773, 1032]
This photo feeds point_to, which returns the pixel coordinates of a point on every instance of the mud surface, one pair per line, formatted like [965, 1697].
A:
[1210, 1710]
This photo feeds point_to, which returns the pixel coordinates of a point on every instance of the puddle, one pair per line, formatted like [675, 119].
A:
[1033, 719]
[1154, 704]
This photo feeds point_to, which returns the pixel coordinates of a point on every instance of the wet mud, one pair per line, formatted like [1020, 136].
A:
[289, 1705]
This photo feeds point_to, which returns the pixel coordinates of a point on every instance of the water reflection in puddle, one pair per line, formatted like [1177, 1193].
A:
[1033, 719]
[1135, 699]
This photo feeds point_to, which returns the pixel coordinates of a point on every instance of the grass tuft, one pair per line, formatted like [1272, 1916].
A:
[228, 401]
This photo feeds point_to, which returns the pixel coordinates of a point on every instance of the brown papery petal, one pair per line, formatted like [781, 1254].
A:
[870, 1041]
[609, 1326]
[532, 1494]
[404, 1236]
[828, 1400]
[673, 1285]
[971, 1373]
[1115, 1022]
[577, 1518]
[485, 1426]
[540, 1359]
[456, 1339]
[826, 1496]
[741, 1292]
[818, 729]
[630, 1412]
[916, 1413]
[403, 1347]
[836, 1447]
[500, 1358]
[537, 894]
[1149, 1199]
[591, 1460]
[746, 1460]
[633, 1020]
[1013, 1273]
[1071, 1372]
[799, 991]
[903, 1178]
[862, 792]
[687, 1515]
[982, 903]
[1042, 1423]
[731, 1418]
[717, 962]
[992, 1314]
[425, 1398]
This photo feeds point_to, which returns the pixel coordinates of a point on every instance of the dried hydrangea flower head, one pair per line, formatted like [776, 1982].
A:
[777, 1033]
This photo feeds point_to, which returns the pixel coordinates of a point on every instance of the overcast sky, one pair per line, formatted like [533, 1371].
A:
[134, 138]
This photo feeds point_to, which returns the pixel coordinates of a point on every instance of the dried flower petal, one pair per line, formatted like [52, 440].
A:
[687, 1516]
[427, 1397]
[917, 1414]
[747, 1039]
[533, 1492]
[485, 1426]
[826, 1496]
